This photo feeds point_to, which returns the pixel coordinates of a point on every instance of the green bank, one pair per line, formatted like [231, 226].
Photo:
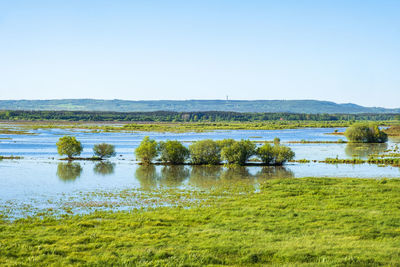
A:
[280, 222]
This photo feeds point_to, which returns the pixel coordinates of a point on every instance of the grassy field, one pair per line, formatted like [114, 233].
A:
[284, 222]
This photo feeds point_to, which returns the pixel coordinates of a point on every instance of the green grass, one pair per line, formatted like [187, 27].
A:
[287, 222]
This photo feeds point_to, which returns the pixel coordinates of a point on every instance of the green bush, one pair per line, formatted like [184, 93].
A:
[225, 143]
[266, 154]
[205, 152]
[104, 150]
[238, 152]
[277, 141]
[282, 154]
[147, 150]
[173, 152]
[365, 133]
[275, 155]
[69, 146]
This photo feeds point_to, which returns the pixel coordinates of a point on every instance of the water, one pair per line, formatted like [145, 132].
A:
[40, 181]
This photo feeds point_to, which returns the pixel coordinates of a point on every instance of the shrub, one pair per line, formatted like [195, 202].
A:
[266, 154]
[238, 152]
[147, 150]
[275, 155]
[365, 133]
[173, 152]
[205, 152]
[104, 150]
[69, 146]
[225, 143]
[277, 141]
[282, 154]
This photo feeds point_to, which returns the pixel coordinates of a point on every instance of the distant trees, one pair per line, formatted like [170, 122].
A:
[365, 133]
[69, 146]
[173, 152]
[147, 150]
[171, 116]
[104, 150]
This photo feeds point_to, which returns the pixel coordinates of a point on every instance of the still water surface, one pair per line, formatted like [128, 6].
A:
[40, 181]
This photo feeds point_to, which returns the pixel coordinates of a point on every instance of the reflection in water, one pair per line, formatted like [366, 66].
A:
[69, 171]
[205, 176]
[271, 172]
[147, 176]
[174, 175]
[364, 150]
[235, 173]
[104, 168]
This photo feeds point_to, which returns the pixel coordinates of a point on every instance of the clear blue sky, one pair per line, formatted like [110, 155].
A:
[343, 51]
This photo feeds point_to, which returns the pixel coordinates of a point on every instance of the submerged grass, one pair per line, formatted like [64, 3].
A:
[285, 222]
[193, 126]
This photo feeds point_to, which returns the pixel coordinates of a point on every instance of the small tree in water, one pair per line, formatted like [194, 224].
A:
[147, 150]
[365, 133]
[238, 152]
[205, 151]
[173, 152]
[69, 146]
[275, 155]
[104, 150]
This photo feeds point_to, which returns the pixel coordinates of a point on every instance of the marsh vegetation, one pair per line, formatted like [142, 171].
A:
[281, 224]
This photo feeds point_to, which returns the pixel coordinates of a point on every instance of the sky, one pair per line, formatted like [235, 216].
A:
[336, 50]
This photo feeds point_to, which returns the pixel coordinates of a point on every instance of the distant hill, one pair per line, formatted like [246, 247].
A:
[294, 106]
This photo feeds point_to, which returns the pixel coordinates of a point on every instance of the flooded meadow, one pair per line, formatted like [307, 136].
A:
[40, 182]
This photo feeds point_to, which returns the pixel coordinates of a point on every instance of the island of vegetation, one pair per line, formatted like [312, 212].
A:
[365, 133]
[70, 147]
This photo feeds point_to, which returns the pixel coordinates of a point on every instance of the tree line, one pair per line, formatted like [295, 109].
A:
[203, 152]
[211, 152]
[170, 116]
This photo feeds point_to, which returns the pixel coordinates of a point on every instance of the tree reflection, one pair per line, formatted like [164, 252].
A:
[364, 150]
[147, 176]
[174, 175]
[205, 176]
[236, 173]
[271, 172]
[104, 168]
[69, 171]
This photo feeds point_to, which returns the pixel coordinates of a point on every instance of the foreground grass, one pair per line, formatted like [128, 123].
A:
[285, 222]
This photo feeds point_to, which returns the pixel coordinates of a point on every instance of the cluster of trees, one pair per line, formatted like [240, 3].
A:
[170, 116]
[70, 147]
[210, 152]
[365, 133]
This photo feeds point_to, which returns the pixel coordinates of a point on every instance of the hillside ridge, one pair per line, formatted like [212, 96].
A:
[293, 106]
